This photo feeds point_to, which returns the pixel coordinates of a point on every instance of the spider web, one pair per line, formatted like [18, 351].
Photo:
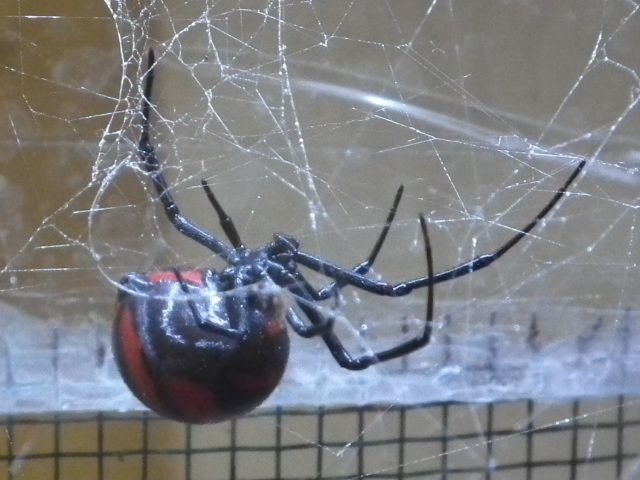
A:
[304, 117]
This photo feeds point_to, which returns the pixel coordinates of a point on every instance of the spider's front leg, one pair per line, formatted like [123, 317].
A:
[152, 166]
[348, 277]
[362, 268]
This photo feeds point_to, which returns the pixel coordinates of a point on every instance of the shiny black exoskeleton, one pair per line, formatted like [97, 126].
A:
[217, 363]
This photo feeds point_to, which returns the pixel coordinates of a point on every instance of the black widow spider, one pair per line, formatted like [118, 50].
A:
[200, 345]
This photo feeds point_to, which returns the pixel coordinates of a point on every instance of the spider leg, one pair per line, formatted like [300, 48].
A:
[363, 268]
[304, 296]
[225, 220]
[324, 325]
[208, 326]
[152, 166]
[360, 269]
[337, 349]
[344, 276]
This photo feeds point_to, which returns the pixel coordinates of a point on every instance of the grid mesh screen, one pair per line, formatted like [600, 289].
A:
[515, 440]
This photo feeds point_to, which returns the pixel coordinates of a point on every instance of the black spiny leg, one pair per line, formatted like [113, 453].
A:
[152, 166]
[225, 220]
[338, 350]
[343, 276]
[324, 325]
[363, 267]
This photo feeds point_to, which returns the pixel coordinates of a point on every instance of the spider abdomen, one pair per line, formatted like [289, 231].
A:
[195, 354]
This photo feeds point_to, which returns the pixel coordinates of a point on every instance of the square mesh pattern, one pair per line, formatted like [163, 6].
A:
[584, 439]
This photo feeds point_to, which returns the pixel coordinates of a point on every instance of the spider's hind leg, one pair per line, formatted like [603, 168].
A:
[338, 350]
[324, 325]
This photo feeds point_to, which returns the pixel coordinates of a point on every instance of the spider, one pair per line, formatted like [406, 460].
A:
[200, 345]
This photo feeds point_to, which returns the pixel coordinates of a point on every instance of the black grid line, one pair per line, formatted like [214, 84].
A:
[529, 461]
[278, 443]
[574, 440]
[441, 458]
[320, 450]
[100, 446]
[56, 447]
[489, 433]
[233, 449]
[444, 442]
[401, 443]
[188, 453]
[145, 447]
[360, 443]
[10, 457]
[620, 436]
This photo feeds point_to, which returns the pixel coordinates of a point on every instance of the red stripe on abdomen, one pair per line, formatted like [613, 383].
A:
[134, 362]
[194, 403]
